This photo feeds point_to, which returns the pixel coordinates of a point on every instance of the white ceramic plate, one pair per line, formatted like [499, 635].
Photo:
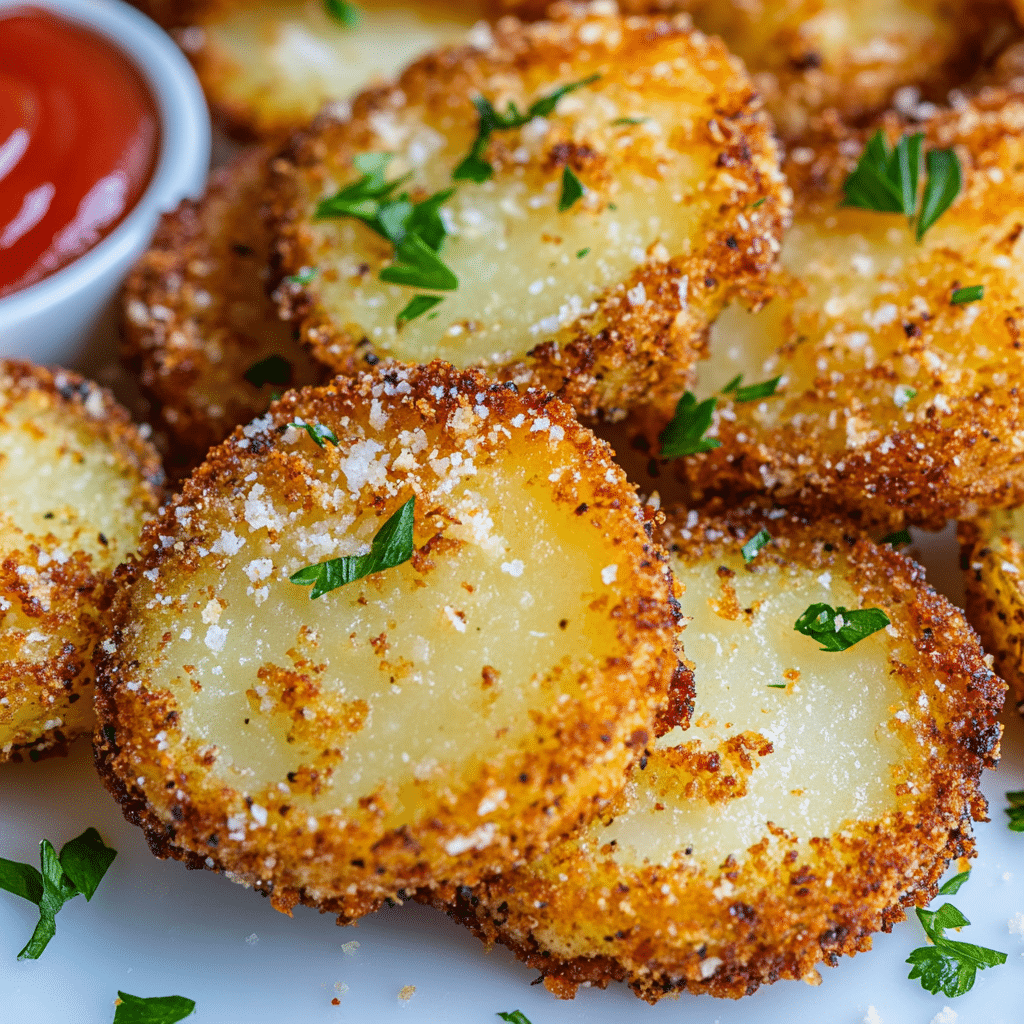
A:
[154, 928]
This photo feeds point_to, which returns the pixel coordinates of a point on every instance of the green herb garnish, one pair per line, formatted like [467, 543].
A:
[418, 305]
[777, 686]
[272, 370]
[751, 548]
[838, 629]
[752, 392]
[897, 538]
[79, 869]
[955, 884]
[302, 278]
[684, 434]
[572, 190]
[343, 13]
[902, 394]
[154, 1010]
[317, 432]
[582, 252]
[515, 1017]
[1016, 811]
[391, 546]
[628, 121]
[972, 293]
[474, 167]
[416, 230]
[947, 964]
[886, 180]
[758, 204]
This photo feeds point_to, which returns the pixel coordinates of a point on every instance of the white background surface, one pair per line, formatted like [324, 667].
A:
[154, 928]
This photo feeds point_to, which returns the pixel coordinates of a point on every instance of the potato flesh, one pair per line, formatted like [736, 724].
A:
[49, 467]
[831, 729]
[428, 702]
[526, 271]
[287, 59]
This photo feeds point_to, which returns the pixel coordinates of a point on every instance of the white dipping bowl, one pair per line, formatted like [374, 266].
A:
[54, 320]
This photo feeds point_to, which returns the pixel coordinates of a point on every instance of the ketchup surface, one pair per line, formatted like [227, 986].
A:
[79, 135]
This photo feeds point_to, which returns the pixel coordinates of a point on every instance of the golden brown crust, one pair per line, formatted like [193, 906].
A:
[790, 903]
[56, 555]
[474, 817]
[196, 315]
[895, 405]
[623, 311]
[992, 558]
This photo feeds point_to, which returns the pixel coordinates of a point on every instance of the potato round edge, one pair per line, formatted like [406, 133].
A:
[788, 903]
[528, 784]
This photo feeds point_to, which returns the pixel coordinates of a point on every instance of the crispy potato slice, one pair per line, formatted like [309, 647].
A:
[196, 316]
[895, 403]
[604, 302]
[992, 555]
[267, 66]
[787, 824]
[76, 482]
[440, 719]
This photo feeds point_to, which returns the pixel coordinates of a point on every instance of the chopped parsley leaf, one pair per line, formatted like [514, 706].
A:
[474, 167]
[1015, 811]
[752, 392]
[572, 190]
[272, 370]
[972, 293]
[80, 868]
[886, 180]
[947, 964]
[317, 432]
[154, 1010]
[757, 205]
[392, 545]
[417, 306]
[954, 885]
[777, 686]
[628, 121]
[838, 629]
[684, 434]
[582, 253]
[758, 541]
[304, 276]
[343, 13]
[515, 1017]
[897, 538]
[416, 230]
[902, 394]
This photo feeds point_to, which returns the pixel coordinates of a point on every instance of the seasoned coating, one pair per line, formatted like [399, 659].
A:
[196, 315]
[605, 302]
[268, 67]
[430, 722]
[895, 403]
[787, 824]
[992, 556]
[76, 482]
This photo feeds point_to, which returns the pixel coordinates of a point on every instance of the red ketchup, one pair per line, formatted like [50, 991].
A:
[79, 136]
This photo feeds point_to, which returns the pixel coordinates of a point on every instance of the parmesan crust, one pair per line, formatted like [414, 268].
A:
[196, 317]
[895, 403]
[606, 302]
[431, 722]
[992, 557]
[76, 483]
[787, 824]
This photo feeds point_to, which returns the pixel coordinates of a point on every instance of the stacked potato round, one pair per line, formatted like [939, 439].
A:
[76, 484]
[434, 721]
[816, 794]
